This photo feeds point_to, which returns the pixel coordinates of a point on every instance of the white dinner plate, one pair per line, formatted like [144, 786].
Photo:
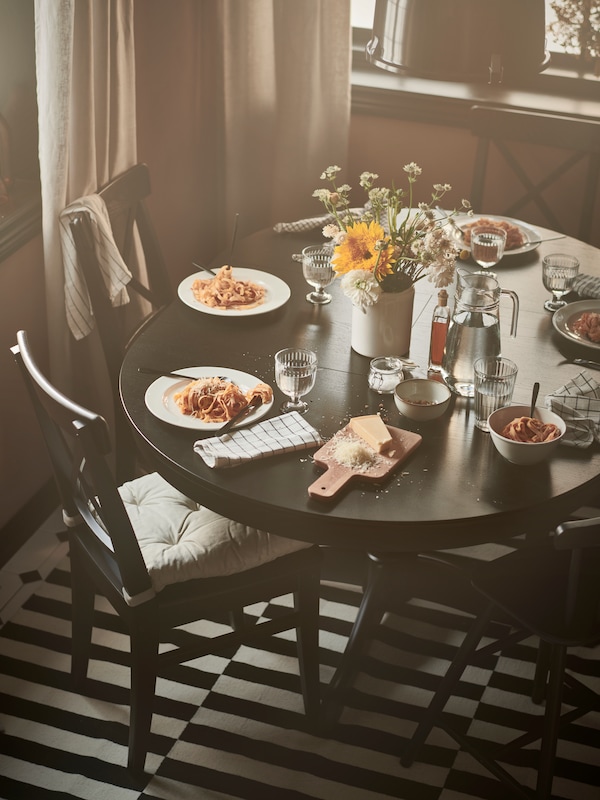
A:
[565, 317]
[277, 293]
[532, 235]
[160, 401]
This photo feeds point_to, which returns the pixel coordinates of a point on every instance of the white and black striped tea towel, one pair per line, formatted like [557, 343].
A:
[578, 403]
[587, 286]
[283, 434]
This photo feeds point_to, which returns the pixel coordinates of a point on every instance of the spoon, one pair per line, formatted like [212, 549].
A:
[534, 394]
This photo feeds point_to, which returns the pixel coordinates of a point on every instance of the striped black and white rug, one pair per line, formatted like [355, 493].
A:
[233, 727]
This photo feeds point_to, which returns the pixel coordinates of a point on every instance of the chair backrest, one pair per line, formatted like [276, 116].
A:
[78, 443]
[575, 139]
[582, 538]
[125, 198]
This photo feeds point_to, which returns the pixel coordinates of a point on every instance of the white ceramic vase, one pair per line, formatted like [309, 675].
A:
[384, 329]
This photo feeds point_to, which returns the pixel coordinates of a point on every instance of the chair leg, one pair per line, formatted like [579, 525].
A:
[144, 665]
[82, 618]
[540, 679]
[551, 722]
[369, 615]
[306, 601]
[446, 687]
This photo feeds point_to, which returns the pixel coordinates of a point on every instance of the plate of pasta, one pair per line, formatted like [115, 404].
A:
[520, 237]
[234, 292]
[579, 322]
[208, 401]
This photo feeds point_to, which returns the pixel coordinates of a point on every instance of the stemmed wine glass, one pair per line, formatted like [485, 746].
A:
[558, 275]
[487, 245]
[318, 272]
[295, 373]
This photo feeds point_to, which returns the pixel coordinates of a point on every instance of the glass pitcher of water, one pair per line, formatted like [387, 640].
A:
[474, 330]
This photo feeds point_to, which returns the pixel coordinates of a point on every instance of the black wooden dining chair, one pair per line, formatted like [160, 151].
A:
[571, 142]
[551, 592]
[125, 199]
[163, 561]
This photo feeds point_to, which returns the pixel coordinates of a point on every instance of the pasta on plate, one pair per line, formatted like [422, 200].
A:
[224, 291]
[514, 235]
[217, 400]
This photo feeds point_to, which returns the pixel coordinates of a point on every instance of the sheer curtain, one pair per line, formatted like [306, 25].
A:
[87, 131]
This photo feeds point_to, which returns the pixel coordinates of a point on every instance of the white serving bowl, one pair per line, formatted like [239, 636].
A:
[524, 453]
[422, 399]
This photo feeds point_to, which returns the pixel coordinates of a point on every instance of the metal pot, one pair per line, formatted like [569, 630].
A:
[487, 40]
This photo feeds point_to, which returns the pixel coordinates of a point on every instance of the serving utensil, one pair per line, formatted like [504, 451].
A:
[534, 396]
[206, 269]
[164, 374]
[241, 414]
[583, 362]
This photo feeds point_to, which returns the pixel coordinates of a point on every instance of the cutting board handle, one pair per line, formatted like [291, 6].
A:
[329, 483]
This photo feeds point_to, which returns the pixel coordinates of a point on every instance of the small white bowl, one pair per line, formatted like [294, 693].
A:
[422, 399]
[523, 453]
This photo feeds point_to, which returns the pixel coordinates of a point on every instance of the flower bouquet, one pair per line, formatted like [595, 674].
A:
[388, 245]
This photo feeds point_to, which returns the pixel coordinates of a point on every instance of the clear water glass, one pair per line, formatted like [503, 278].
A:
[295, 374]
[494, 382]
[558, 275]
[318, 272]
[487, 245]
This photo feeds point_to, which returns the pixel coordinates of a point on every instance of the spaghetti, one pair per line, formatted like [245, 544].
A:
[217, 400]
[225, 292]
[530, 430]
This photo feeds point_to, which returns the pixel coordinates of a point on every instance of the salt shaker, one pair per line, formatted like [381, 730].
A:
[439, 331]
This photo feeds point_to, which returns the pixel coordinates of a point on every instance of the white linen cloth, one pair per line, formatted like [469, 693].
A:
[282, 434]
[115, 272]
[578, 403]
[587, 286]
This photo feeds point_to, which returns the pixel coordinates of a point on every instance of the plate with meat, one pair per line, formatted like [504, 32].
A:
[209, 401]
[579, 322]
[520, 237]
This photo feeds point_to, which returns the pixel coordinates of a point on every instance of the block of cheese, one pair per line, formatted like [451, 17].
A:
[372, 429]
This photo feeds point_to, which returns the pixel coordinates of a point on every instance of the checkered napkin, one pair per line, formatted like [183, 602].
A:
[578, 403]
[310, 223]
[282, 434]
[587, 286]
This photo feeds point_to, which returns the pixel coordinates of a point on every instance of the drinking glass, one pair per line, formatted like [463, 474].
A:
[318, 272]
[295, 373]
[487, 245]
[558, 274]
[494, 382]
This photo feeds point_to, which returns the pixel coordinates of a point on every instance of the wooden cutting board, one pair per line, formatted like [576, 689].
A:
[337, 476]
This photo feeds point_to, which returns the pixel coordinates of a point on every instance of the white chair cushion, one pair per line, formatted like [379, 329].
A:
[181, 540]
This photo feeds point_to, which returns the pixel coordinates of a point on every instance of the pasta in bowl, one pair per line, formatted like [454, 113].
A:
[521, 440]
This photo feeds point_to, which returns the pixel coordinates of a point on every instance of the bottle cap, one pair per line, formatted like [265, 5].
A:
[442, 297]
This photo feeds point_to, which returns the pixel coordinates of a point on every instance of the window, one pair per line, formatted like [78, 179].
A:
[572, 34]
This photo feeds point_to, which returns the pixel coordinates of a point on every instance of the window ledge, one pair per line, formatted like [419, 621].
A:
[378, 92]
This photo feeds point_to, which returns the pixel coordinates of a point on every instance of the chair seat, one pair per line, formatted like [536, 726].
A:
[182, 541]
[537, 604]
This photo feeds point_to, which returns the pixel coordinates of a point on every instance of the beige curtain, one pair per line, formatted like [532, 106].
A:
[241, 104]
[87, 133]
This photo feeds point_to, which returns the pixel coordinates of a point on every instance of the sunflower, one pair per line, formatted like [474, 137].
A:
[363, 248]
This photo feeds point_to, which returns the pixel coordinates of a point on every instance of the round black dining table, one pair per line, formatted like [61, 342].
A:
[454, 490]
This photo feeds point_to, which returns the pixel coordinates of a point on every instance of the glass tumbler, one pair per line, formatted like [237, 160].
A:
[494, 383]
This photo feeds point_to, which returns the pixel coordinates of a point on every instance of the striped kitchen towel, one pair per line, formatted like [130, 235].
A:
[578, 403]
[283, 434]
[311, 223]
[115, 273]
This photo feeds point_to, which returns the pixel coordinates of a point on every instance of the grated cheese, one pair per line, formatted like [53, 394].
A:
[354, 454]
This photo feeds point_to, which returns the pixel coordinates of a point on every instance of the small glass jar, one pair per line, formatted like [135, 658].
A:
[385, 373]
